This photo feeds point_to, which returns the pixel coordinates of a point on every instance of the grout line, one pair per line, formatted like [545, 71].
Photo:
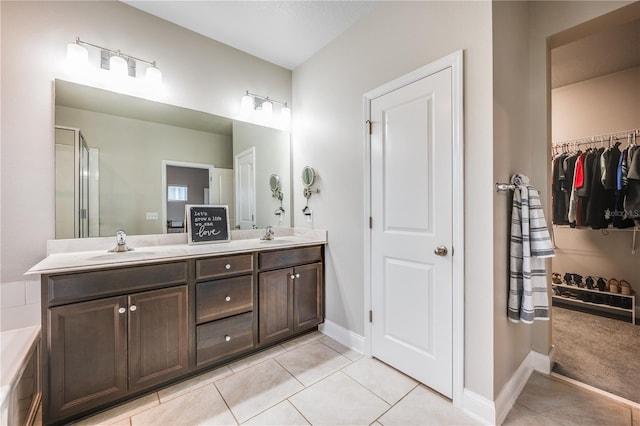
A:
[225, 403]
[393, 405]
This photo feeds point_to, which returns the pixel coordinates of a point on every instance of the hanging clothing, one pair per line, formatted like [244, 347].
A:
[530, 245]
[558, 201]
[595, 206]
[632, 200]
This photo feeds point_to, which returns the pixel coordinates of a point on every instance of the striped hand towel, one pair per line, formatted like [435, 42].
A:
[530, 244]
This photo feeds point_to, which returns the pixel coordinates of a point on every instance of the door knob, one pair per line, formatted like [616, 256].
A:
[441, 251]
[122, 310]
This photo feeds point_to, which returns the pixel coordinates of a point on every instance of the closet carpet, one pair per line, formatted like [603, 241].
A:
[599, 351]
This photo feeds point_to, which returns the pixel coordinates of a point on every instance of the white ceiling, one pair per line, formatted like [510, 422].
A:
[285, 33]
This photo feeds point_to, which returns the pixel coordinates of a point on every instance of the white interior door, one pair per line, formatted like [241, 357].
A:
[411, 206]
[222, 190]
[245, 189]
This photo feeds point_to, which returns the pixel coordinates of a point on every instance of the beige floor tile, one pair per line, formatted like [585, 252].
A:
[424, 407]
[283, 414]
[386, 382]
[123, 411]
[194, 383]
[256, 358]
[339, 400]
[123, 422]
[203, 406]
[257, 388]
[592, 409]
[522, 416]
[312, 362]
[341, 349]
[302, 340]
[543, 393]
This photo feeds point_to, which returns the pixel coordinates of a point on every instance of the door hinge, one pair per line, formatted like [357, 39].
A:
[369, 125]
[370, 222]
[370, 316]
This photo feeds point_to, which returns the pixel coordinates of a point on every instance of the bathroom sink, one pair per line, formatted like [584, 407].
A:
[280, 240]
[122, 256]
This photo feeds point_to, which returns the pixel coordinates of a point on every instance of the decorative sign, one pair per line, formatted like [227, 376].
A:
[207, 224]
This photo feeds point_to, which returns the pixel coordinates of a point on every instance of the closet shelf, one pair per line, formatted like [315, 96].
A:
[602, 307]
[605, 230]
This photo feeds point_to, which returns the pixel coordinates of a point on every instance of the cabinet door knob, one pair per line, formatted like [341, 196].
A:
[122, 310]
[227, 266]
[133, 308]
[297, 275]
[227, 338]
[293, 277]
[227, 299]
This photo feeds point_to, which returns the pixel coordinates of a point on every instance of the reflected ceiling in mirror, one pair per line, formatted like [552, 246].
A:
[133, 149]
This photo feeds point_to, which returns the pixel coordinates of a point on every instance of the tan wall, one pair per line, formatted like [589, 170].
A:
[606, 104]
[131, 184]
[511, 139]
[198, 73]
[394, 39]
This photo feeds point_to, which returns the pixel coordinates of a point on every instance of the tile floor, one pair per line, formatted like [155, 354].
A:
[315, 380]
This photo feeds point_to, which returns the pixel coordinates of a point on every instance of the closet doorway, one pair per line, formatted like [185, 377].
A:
[595, 113]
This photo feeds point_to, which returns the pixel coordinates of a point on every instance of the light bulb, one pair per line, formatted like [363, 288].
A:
[285, 116]
[153, 75]
[246, 108]
[77, 55]
[267, 109]
[118, 65]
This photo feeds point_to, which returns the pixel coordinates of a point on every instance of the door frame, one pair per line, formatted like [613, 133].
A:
[165, 163]
[455, 62]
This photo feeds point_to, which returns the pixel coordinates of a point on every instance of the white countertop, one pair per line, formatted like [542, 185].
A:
[70, 260]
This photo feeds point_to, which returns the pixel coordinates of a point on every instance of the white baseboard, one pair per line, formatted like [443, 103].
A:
[494, 412]
[342, 335]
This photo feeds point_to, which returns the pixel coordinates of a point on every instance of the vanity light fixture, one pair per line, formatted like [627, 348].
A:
[252, 102]
[114, 60]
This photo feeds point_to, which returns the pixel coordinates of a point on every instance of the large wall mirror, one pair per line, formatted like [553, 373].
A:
[124, 162]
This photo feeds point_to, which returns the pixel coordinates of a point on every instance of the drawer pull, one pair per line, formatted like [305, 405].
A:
[227, 266]
[122, 310]
[227, 338]
[133, 308]
[227, 299]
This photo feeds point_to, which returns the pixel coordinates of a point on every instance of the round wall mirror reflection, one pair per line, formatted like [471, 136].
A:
[308, 176]
[274, 182]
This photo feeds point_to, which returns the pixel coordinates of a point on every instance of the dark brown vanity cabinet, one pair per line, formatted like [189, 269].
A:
[291, 298]
[111, 334]
[103, 349]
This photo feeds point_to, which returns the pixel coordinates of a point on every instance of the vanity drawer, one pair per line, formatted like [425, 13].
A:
[291, 257]
[223, 266]
[223, 298]
[88, 285]
[220, 339]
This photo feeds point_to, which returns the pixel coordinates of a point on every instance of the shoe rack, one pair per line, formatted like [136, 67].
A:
[596, 300]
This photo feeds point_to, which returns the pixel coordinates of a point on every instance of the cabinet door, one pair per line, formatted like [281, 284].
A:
[307, 296]
[158, 336]
[87, 355]
[275, 304]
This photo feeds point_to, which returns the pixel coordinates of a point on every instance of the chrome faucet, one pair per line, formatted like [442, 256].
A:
[121, 242]
[268, 235]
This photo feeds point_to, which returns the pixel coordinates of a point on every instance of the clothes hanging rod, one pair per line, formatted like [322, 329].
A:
[597, 138]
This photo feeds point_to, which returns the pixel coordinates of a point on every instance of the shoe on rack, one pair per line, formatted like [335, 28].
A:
[589, 281]
[625, 287]
[602, 284]
[556, 278]
[614, 285]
